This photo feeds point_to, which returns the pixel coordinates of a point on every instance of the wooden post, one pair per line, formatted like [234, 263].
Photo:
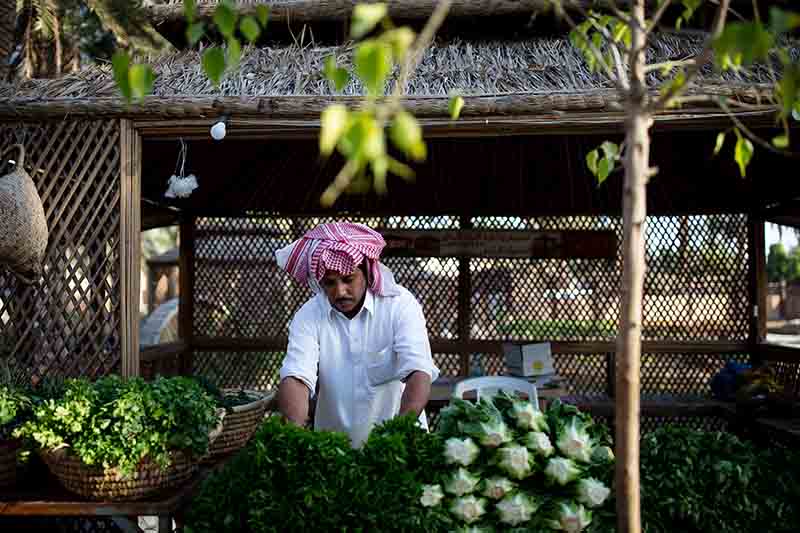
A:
[464, 301]
[130, 245]
[757, 282]
[186, 297]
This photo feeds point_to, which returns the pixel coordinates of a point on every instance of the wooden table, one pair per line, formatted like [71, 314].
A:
[39, 494]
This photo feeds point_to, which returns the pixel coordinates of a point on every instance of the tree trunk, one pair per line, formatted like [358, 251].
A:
[59, 52]
[8, 16]
[629, 345]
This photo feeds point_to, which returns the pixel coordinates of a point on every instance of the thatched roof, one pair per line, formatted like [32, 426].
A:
[311, 10]
[532, 76]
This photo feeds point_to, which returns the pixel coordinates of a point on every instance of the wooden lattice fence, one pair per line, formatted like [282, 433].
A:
[696, 294]
[69, 324]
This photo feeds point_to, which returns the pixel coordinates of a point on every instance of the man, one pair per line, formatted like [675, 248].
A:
[361, 338]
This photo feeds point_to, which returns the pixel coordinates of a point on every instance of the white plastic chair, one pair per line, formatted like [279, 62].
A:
[490, 385]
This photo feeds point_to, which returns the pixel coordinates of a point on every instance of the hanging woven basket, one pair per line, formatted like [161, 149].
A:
[23, 227]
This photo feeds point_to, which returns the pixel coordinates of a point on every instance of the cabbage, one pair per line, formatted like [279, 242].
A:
[574, 441]
[461, 482]
[497, 487]
[461, 451]
[516, 509]
[469, 508]
[592, 492]
[528, 417]
[561, 471]
[539, 443]
[571, 517]
[431, 495]
[515, 460]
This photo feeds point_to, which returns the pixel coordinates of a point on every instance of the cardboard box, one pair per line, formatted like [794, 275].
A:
[529, 359]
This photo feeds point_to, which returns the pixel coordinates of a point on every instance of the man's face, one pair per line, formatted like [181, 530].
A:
[345, 292]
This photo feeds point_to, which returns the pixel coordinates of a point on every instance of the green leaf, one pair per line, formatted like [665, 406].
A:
[611, 150]
[120, 64]
[454, 106]
[380, 165]
[141, 79]
[400, 169]
[406, 134]
[743, 153]
[190, 10]
[225, 19]
[213, 62]
[333, 124]
[250, 28]
[781, 141]
[720, 142]
[788, 89]
[233, 53]
[339, 77]
[781, 21]
[195, 32]
[374, 144]
[365, 18]
[741, 44]
[591, 161]
[373, 63]
[262, 14]
[401, 40]
[604, 168]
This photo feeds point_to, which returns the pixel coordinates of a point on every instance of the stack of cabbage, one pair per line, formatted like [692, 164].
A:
[513, 466]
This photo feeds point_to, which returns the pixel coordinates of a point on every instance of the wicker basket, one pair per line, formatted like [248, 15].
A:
[8, 462]
[24, 237]
[240, 423]
[97, 483]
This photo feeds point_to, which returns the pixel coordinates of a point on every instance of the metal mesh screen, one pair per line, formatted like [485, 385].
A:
[69, 323]
[695, 290]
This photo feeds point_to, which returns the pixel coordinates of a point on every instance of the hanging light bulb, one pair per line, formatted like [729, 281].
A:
[218, 130]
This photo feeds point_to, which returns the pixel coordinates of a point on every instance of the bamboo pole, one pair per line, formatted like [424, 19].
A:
[130, 245]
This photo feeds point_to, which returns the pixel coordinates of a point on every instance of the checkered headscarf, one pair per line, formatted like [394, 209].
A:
[340, 247]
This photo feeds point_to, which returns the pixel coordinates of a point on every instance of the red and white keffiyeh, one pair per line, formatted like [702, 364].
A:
[340, 247]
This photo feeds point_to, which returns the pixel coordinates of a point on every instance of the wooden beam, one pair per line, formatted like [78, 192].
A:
[130, 246]
[778, 352]
[161, 351]
[187, 286]
[480, 346]
[464, 317]
[757, 282]
[604, 107]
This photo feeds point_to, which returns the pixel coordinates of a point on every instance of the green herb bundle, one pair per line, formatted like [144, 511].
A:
[117, 422]
[697, 481]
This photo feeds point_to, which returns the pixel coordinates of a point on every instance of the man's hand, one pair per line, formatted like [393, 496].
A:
[293, 400]
[416, 393]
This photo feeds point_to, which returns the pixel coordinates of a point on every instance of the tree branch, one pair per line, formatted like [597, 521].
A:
[702, 60]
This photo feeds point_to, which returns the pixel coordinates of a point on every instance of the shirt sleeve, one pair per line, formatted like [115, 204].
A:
[411, 342]
[302, 354]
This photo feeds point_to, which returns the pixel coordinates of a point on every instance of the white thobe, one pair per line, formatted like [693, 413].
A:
[362, 361]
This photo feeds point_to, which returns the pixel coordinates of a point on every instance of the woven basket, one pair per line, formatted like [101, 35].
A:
[240, 423]
[97, 483]
[8, 462]
[23, 227]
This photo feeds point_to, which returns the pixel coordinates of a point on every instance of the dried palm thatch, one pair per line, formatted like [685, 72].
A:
[549, 73]
[311, 10]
